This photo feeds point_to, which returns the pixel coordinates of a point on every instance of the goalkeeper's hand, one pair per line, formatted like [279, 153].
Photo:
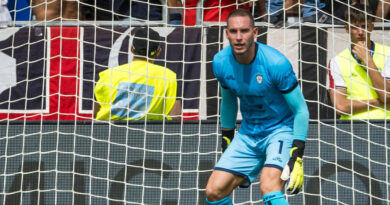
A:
[227, 137]
[294, 168]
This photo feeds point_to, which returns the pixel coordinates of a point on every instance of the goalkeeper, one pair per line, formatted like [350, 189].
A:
[271, 139]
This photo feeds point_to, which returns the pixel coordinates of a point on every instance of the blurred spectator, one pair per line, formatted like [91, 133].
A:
[105, 9]
[4, 13]
[141, 89]
[212, 10]
[336, 9]
[149, 10]
[20, 10]
[360, 75]
[312, 12]
[175, 11]
[382, 9]
[45, 10]
[259, 10]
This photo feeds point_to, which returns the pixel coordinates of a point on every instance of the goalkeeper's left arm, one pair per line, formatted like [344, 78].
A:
[294, 167]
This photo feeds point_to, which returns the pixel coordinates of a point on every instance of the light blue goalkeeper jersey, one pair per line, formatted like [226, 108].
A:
[259, 86]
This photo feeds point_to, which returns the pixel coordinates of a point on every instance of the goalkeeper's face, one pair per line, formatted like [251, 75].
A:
[241, 34]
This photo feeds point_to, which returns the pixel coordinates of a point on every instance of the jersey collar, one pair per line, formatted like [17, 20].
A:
[254, 57]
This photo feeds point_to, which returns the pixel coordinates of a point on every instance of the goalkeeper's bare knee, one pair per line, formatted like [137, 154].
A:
[214, 193]
[270, 180]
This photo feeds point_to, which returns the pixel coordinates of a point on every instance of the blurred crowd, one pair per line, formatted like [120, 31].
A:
[187, 12]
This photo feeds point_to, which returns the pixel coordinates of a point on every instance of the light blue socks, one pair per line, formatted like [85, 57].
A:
[224, 201]
[274, 198]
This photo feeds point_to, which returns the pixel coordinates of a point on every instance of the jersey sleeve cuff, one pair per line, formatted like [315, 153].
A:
[291, 89]
[302, 138]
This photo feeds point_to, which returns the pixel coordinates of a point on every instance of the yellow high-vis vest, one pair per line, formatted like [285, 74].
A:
[358, 82]
[135, 91]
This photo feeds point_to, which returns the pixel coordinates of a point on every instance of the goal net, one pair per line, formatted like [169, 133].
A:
[53, 151]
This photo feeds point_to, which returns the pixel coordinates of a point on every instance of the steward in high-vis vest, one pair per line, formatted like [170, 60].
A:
[139, 90]
[359, 76]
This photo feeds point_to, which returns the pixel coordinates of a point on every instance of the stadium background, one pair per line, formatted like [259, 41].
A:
[44, 61]
[52, 151]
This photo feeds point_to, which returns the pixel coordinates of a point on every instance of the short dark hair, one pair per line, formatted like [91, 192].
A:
[146, 42]
[241, 12]
[358, 13]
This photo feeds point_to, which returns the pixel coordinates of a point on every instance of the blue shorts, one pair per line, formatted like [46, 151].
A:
[247, 155]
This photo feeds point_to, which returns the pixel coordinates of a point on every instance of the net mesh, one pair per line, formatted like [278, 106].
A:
[52, 151]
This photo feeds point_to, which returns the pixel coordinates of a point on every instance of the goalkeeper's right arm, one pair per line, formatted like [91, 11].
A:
[229, 110]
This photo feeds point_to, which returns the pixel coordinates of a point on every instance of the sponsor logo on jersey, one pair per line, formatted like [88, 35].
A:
[259, 78]
[277, 159]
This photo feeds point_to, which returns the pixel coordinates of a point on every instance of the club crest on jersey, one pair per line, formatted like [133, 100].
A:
[259, 78]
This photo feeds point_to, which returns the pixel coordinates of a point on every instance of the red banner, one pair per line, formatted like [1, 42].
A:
[53, 69]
